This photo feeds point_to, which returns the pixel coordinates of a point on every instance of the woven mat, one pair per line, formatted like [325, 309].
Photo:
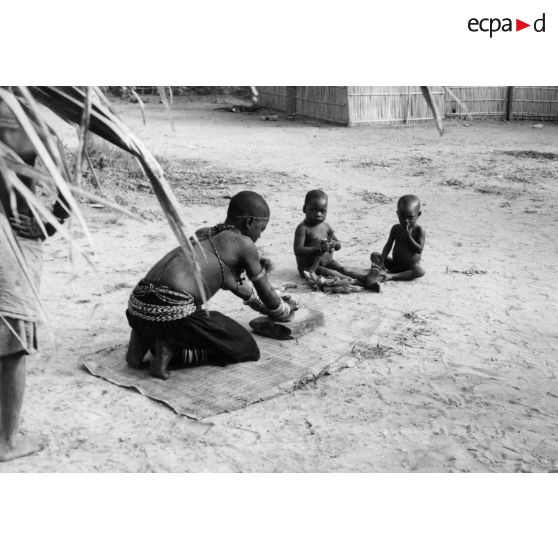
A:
[209, 390]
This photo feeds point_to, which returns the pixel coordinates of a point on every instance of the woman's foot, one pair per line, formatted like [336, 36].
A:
[136, 351]
[162, 358]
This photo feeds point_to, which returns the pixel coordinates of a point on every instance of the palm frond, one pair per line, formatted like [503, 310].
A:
[82, 135]
[134, 93]
[44, 153]
[88, 109]
[10, 161]
[167, 103]
[93, 172]
[39, 210]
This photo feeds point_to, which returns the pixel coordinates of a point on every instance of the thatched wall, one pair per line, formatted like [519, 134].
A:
[370, 105]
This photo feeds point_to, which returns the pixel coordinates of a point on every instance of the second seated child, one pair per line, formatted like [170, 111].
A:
[407, 240]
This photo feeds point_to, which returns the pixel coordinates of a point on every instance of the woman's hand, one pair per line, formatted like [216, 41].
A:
[26, 226]
[292, 302]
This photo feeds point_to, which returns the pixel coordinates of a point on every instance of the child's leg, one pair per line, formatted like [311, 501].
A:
[372, 279]
[365, 277]
[334, 269]
[327, 272]
[12, 388]
[407, 275]
[136, 350]
[336, 266]
[376, 258]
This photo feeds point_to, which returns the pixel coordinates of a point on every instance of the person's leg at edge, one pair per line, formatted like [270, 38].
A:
[12, 389]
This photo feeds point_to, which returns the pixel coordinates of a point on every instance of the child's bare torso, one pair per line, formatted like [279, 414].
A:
[404, 255]
[313, 235]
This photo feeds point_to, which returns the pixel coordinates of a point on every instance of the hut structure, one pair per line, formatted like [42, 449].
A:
[371, 105]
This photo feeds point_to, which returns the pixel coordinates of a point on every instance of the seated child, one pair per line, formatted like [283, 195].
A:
[407, 239]
[315, 241]
[165, 309]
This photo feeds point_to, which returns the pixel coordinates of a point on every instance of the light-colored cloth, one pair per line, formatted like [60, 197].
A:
[17, 336]
[17, 301]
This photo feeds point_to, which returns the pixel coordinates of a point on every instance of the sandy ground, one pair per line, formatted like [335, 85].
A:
[463, 378]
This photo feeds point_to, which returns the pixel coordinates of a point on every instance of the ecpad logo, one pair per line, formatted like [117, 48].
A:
[492, 25]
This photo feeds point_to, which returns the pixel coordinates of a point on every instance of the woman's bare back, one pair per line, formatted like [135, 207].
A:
[217, 260]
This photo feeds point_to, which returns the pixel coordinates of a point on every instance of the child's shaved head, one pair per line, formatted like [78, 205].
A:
[408, 202]
[248, 204]
[315, 195]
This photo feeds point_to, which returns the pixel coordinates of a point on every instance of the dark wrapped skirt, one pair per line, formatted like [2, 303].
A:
[226, 340]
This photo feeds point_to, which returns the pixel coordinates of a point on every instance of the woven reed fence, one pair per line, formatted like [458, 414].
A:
[390, 105]
[354, 106]
[323, 103]
[370, 105]
[482, 102]
[274, 97]
[519, 103]
[535, 103]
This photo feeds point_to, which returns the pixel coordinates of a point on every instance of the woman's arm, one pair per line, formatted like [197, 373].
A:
[264, 299]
